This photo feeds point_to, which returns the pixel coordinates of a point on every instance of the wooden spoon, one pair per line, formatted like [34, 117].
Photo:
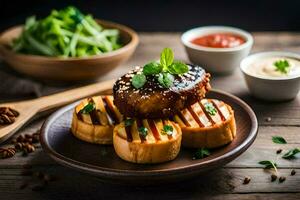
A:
[29, 108]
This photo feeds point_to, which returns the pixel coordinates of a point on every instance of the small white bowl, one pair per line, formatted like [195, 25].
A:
[273, 88]
[216, 60]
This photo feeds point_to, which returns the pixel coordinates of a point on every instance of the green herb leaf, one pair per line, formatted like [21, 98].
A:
[278, 140]
[201, 153]
[178, 68]
[138, 80]
[143, 131]
[166, 57]
[291, 154]
[88, 108]
[210, 108]
[152, 68]
[128, 122]
[167, 129]
[282, 66]
[268, 164]
[166, 80]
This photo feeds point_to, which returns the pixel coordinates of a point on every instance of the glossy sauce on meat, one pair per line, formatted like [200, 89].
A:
[155, 101]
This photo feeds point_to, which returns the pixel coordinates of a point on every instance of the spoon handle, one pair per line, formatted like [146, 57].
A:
[56, 100]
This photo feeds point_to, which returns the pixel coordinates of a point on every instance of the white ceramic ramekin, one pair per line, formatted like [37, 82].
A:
[216, 60]
[271, 89]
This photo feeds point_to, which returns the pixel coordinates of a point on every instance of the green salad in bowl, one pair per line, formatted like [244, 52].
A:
[66, 33]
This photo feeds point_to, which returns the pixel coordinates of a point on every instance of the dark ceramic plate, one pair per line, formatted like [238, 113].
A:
[101, 160]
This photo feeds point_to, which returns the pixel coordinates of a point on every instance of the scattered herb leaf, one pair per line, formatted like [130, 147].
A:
[201, 153]
[143, 131]
[178, 67]
[278, 140]
[282, 66]
[138, 80]
[168, 129]
[291, 154]
[128, 122]
[152, 68]
[166, 57]
[165, 80]
[269, 164]
[209, 107]
[88, 108]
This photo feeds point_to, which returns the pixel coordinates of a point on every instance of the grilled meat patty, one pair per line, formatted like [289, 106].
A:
[155, 101]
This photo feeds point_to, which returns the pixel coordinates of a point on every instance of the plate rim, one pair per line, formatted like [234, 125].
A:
[92, 169]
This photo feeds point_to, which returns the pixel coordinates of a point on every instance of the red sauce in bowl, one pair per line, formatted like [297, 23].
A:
[219, 40]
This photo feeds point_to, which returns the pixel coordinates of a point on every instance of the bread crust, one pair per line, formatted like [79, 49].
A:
[213, 136]
[146, 153]
[97, 134]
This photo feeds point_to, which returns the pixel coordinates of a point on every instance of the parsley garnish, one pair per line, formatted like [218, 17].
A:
[210, 108]
[165, 79]
[278, 140]
[167, 129]
[138, 80]
[88, 108]
[291, 154]
[282, 66]
[201, 153]
[269, 164]
[128, 122]
[165, 69]
[143, 131]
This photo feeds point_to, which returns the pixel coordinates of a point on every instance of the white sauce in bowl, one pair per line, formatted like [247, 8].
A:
[265, 67]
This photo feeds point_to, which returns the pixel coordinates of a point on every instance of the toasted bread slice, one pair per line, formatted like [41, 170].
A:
[147, 141]
[94, 120]
[208, 123]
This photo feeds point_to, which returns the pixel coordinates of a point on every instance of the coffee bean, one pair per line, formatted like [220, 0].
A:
[28, 136]
[279, 151]
[293, 172]
[281, 179]
[273, 177]
[13, 141]
[247, 180]
[20, 138]
[19, 146]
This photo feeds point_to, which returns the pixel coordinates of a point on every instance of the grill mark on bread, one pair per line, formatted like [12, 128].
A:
[185, 121]
[206, 113]
[198, 113]
[93, 114]
[218, 109]
[195, 116]
[128, 133]
[139, 124]
[154, 129]
[110, 111]
[104, 113]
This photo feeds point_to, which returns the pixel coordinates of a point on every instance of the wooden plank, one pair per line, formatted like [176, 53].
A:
[220, 181]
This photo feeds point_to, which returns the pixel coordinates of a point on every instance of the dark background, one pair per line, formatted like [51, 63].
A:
[168, 15]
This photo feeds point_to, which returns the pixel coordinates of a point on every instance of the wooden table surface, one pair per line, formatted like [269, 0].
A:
[225, 183]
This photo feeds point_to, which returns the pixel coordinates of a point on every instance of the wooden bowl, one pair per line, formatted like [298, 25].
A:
[102, 161]
[68, 69]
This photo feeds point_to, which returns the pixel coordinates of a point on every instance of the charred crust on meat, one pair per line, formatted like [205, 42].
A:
[155, 101]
